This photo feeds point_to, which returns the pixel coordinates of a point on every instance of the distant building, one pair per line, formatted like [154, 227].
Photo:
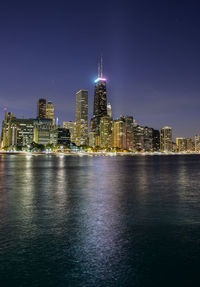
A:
[119, 134]
[129, 122]
[92, 139]
[189, 145]
[197, 143]
[109, 110]
[138, 138]
[71, 126]
[16, 132]
[148, 139]
[41, 108]
[50, 112]
[106, 132]
[156, 140]
[6, 130]
[166, 139]
[63, 137]
[44, 131]
[100, 103]
[181, 144]
[82, 117]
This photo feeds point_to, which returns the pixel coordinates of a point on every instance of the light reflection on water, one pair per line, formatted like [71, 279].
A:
[99, 221]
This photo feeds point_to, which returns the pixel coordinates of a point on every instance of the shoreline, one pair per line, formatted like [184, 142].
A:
[111, 154]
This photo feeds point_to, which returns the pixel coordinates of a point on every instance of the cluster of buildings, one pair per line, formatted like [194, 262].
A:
[21, 133]
[102, 132]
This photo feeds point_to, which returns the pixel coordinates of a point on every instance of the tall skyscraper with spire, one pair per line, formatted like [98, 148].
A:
[100, 103]
[100, 100]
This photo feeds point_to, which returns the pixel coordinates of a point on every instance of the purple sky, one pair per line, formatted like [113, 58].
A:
[151, 52]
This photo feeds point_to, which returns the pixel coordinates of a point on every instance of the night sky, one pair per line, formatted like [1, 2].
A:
[151, 54]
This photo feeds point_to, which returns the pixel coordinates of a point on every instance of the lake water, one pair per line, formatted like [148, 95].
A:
[99, 221]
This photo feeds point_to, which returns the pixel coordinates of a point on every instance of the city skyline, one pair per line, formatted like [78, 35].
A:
[152, 69]
[99, 78]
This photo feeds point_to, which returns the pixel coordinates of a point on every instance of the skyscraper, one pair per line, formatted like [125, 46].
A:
[109, 110]
[106, 132]
[189, 145]
[119, 134]
[156, 140]
[138, 138]
[148, 139]
[50, 111]
[100, 101]
[181, 144]
[41, 108]
[166, 139]
[197, 143]
[82, 117]
[44, 131]
[71, 126]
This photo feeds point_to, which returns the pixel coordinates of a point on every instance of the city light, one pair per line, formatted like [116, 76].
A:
[100, 79]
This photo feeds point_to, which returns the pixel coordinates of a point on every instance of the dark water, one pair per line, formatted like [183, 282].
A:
[99, 221]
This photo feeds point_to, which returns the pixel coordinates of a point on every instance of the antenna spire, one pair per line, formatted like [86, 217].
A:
[101, 66]
[99, 70]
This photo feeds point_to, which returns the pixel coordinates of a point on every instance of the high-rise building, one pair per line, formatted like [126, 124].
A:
[109, 110]
[6, 130]
[148, 139]
[156, 140]
[44, 131]
[71, 126]
[16, 132]
[197, 143]
[82, 117]
[100, 102]
[189, 145]
[63, 137]
[92, 139]
[119, 134]
[166, 139]
[41, 108]
[100, 99]
[181, 144]
[129, 121]
[138, 138]
[106, 132]
[50, 111]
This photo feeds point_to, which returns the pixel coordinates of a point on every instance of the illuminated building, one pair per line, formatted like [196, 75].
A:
[17, 132]
[148, 139]
[156, 140]
[71, 126]
[129, 123]
[44, 132]
[41, 108]
[119, 134]
[109, 110]
[63, 136]
[106, 132]
[6, 130]
[138, 138]
[144, 139]
[189, 145]
[166, 139]
[100, 102]
[82, 117]
[92, 141]
[197, 143]
[50, 111]
[181, 144]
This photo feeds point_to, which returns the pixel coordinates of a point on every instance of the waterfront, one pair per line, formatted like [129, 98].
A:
[99, 221]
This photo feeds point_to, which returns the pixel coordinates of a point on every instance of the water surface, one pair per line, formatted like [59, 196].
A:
[99, 221]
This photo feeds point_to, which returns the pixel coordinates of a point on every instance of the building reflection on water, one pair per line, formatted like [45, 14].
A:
[94, 220]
